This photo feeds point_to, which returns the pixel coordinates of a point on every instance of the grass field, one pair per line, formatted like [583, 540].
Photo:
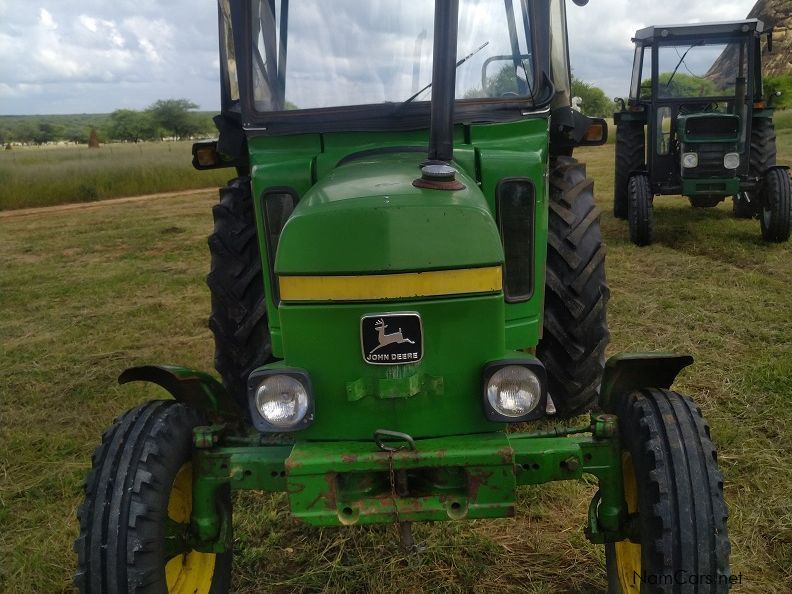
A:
[89, 292]
[48, 175]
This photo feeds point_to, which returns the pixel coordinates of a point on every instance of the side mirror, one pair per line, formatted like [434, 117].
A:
[596, 134]
[581, 2]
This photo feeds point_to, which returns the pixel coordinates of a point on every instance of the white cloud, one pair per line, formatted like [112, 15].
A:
[97, 55]
[46, 20]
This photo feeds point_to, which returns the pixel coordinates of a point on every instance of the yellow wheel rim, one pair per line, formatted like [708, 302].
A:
[191, 572]
[628, 554]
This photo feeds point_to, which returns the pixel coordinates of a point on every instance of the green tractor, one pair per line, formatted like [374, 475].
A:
[406, 270]
[697, 90]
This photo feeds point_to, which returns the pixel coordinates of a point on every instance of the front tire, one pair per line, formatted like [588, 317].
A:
[674, 493]
[575, 331]
[775, 218]
[639, 212]
[140, 482]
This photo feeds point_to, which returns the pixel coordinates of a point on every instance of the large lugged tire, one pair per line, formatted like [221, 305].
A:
[140, 481]
[762, 156]
[674, 489]
[763, 146]
[630, 157]
[776, 215]
[640, 210]
[239, 313]
[575, 327]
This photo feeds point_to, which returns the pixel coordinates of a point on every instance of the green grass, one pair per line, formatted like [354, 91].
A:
[86, 293]
[49, 175]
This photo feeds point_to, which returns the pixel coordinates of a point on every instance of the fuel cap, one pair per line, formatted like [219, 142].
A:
[438, 172]
[438, 176]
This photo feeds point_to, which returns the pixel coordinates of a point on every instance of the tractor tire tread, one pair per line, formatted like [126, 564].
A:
[575, 329]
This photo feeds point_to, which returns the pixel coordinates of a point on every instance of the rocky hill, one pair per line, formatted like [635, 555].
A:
[776, 14]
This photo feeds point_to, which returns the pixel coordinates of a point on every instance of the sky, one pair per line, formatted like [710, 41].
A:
[96, 56]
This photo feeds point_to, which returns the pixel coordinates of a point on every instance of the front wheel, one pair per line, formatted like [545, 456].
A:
[639, 210]
[776, 215]
[674, 495]
[138, 500]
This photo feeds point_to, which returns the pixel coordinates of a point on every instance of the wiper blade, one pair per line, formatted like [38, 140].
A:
[458, 64]
[681, 60]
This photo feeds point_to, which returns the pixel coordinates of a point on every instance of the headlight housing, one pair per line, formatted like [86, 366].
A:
[280, 400]
[514, 390]
[689, 160]
[731, 160]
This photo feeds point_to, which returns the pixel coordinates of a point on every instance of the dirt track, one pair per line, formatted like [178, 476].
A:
[21, 212]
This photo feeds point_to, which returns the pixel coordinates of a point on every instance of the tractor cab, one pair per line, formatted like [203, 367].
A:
[698, 91]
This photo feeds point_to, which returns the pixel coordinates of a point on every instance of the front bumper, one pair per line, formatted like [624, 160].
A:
[449, 478]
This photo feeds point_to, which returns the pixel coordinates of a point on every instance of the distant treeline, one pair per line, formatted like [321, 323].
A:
[167, 118]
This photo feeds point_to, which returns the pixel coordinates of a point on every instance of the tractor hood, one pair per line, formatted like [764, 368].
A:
[367, 217]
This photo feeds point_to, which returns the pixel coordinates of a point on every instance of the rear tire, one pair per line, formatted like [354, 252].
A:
[674, 492]
[630, 157]
[239, 313]
[575, 329]
[140, 481]
[745, 205]
[776, 216]
[639, 212]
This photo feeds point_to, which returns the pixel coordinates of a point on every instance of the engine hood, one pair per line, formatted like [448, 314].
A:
[366, 217]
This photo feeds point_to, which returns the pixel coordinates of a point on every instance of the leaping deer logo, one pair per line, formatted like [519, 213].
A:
[386, 339]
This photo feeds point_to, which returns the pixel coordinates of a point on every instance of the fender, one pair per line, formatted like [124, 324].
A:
[627, 372]
[193, 388]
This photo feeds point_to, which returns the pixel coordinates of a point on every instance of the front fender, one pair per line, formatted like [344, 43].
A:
[193, 388]
[627, 372]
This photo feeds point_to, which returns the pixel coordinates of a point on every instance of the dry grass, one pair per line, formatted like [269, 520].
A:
[47, 175]
[86, 293]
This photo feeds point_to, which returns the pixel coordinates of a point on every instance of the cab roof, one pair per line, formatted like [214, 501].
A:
[699, 30]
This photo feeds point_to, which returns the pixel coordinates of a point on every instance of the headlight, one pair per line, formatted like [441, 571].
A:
[731, 160]
[514, 391]
[689, 160]
[280, 400]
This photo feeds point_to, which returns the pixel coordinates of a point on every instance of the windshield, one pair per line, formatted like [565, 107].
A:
[313, 54]
[700, 70]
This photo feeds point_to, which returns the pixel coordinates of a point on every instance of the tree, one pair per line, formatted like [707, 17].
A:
[782, 83]
[174, 117]
[131, 125]
[47, 132]
[595, 102]
[682, 85]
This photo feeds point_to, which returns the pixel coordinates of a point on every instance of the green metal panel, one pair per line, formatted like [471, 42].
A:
[367, 217]
[281, 161]
[440, 395]
[447, 478]
[519, 150]
[684, 137]
[710, 186]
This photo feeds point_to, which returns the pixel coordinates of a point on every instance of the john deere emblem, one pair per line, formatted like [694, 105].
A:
[391, 339]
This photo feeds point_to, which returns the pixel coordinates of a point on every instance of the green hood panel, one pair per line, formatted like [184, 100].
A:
[366, 217]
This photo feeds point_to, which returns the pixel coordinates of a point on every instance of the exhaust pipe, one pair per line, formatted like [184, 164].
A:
[441, 131]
